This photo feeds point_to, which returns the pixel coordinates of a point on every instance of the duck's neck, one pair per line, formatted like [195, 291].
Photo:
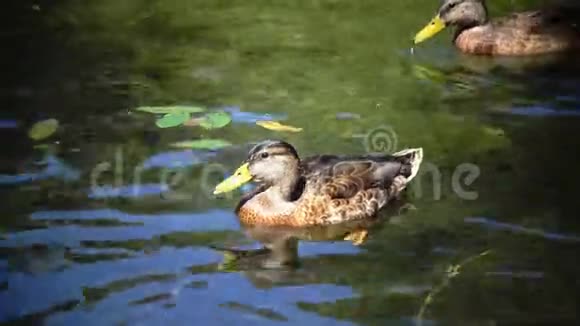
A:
[478, 17]
[464, 28]
[289, 187]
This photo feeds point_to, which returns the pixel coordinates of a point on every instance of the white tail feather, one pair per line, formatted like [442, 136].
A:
[416, 159]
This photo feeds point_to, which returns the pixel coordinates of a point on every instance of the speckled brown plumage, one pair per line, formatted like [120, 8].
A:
[330, 189]
[548, 30]
[526, 33]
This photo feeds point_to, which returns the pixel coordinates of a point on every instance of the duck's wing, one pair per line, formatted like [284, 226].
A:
[523, 21]
[523, 33]
[343, 177]
[347, 188]
[546, 21]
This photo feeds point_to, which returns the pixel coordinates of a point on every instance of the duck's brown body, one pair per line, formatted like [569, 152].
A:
[332, 189]
[315, 209]
[525, 33]
[549, 30]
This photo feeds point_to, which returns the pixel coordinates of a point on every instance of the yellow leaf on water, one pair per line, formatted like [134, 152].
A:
[43, 129]
[277, 126]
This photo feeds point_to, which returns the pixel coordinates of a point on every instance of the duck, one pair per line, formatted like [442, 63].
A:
[322, 189]
[549, 30]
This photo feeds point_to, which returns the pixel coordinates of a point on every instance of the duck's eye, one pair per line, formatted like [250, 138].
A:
[264, 155]
[452, 5]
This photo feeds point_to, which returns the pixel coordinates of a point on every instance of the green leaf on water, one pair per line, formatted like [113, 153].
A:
[43, 129]
[170, 109]
[172, 119]
[202, 144]
[214, 120]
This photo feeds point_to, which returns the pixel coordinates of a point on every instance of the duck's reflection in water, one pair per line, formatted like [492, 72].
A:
[278, 262]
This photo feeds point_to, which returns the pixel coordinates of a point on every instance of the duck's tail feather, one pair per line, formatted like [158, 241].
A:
[415, 157]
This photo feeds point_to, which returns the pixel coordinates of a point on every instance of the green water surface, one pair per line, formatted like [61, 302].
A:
[106, 224]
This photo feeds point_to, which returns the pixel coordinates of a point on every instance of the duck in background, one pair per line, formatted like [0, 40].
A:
[549, 30]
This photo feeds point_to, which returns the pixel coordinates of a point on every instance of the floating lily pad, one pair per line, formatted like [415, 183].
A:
[43, 129]
[215, 120]
[172, 119]
[494, 131]
[202, 144]
[170, 109]
[277, 126]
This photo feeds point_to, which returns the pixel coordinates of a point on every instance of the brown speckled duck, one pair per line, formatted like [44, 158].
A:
[525, 33]
[318, 190]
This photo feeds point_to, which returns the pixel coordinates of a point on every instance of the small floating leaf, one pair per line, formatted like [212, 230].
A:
[172, 119]
[202, 144]
[170, 109]
[43, 129]
[493, 131]
[215, 120]
[275, 125]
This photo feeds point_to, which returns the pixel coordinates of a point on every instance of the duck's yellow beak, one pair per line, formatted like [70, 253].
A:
[241, 176]
[435, 26]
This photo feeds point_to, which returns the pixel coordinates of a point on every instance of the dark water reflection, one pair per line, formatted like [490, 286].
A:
[139, 242]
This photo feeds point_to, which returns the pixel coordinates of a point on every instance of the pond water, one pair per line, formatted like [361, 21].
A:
[105, 223]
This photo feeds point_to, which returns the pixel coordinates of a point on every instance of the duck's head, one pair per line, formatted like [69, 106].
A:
[461, 13]
[268, 162]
